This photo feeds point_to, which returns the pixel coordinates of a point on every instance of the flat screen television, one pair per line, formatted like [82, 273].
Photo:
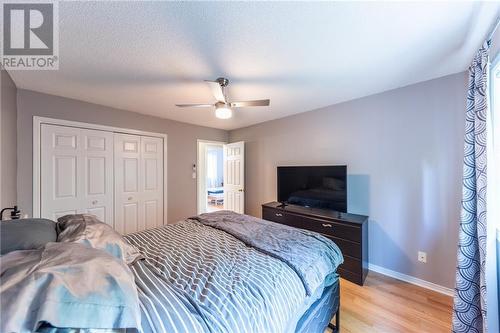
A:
[314, 186]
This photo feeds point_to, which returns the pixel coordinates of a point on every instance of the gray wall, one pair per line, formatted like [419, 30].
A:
[8, 141]
[181, 143]
[403, 149]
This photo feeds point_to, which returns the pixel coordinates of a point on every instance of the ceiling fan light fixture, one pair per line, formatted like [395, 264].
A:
[223, 112]
[223, 107]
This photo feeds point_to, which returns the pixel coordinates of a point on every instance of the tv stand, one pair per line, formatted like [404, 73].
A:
[348, 231]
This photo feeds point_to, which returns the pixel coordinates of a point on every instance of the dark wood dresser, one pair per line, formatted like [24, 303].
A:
[348, 231]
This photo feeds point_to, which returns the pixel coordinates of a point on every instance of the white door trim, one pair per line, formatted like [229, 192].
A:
[37, 123]
[198, 169]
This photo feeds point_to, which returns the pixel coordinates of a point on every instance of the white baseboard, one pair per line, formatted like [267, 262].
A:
[410, 279]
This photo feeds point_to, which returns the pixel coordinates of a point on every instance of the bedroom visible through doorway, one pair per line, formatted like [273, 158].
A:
[210, 176]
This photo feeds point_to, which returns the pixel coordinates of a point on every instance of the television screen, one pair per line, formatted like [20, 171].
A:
[314, 186]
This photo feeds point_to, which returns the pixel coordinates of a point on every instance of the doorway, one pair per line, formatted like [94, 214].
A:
[210, 176]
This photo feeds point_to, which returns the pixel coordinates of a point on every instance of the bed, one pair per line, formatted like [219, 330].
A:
[215, 195]
[227, 272]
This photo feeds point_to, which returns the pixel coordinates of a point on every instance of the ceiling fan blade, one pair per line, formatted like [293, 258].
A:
[260, 102]
[217, 91]
[194, 105]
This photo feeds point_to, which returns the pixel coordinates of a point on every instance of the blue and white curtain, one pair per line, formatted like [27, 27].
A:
[469, 308]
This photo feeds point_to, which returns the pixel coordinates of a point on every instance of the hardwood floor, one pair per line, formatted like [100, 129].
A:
[213, 207]
[388, 305]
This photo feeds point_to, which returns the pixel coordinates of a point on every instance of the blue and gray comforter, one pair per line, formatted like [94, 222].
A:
[219, 272]
[206, 274]
[312, 256]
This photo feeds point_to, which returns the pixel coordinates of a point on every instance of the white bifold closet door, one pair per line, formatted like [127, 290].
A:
[138, 182]
[117, 177]
[76, 172]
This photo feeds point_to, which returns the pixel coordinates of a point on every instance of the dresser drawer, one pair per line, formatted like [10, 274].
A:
[273, 215]
[348, 231]
[350, 276]
[328, 228]
[352, 265]
[347, 247]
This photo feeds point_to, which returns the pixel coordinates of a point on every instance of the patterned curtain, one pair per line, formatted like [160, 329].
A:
[469, 308]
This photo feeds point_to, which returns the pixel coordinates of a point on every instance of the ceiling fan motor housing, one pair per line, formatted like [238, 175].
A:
[220, 105]
[223, 81]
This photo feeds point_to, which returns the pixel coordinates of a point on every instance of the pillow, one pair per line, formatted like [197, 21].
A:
[87, 229]
[26, 234]
[333, 184]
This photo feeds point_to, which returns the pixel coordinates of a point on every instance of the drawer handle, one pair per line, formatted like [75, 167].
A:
[279, 214]
[327, 225]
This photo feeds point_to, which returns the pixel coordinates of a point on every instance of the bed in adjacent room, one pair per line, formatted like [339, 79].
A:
[215, 195]
[217, 272]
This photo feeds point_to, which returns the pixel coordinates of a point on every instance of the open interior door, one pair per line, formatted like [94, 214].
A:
[234, 177]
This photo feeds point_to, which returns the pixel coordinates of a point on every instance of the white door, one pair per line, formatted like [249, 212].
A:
[76, 172]
[152, 166]
[138, 182]
[234, 177]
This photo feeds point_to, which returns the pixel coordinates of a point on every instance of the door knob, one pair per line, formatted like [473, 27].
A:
[241, 190]
[129, 198]
[94, 202]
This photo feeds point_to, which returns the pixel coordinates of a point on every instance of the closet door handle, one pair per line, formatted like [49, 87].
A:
[130, 198]
[327, 225]
[94, 202]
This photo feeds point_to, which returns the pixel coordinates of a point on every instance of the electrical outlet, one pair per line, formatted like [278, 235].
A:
[422, 257]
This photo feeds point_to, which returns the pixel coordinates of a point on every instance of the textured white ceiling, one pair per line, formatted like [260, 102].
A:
[147, 56]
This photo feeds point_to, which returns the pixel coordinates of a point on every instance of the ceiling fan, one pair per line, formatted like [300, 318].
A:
[223, 108]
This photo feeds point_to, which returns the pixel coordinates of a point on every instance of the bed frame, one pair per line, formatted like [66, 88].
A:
[317, 318]
[335, 328]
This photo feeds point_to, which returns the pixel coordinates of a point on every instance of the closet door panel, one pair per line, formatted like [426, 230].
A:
[98, 174]
[117, 177]
[76, 172]
[151, 174]
[130, 179]
[99, 212]
[65, 177]
[58, 214]
[131, 217]
[152, 161]
[59, 171]
[129, 208]
[152, 213]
